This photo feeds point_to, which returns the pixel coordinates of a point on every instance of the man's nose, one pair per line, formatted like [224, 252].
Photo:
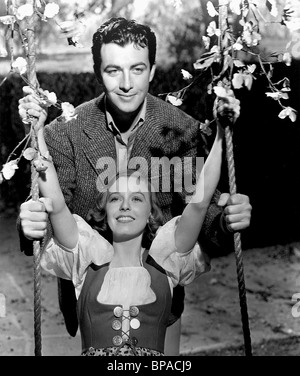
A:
[126, 82]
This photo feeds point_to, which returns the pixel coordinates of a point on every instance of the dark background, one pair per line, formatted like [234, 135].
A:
[266, 148]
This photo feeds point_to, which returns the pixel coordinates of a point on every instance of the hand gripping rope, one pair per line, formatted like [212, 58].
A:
[223, 13]
[37, 245]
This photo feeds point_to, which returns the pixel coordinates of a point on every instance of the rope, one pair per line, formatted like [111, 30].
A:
[223, 13]
[238, 247]
[31, 72]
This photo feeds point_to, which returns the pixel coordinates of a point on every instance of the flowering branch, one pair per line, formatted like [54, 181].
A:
[15, 19]
[231, 50]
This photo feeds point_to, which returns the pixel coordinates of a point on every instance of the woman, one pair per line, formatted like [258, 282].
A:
[124, 271]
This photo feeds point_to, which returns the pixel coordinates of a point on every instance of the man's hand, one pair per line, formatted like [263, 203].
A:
[34, 218]
[226, 107]
[237, 211]
[30, 107]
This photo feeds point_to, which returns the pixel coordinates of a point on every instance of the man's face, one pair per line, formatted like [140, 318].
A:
[126, 74]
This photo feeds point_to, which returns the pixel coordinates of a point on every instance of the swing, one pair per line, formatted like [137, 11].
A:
[38, 246]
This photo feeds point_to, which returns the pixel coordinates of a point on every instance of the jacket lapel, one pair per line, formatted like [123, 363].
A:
[98, 143]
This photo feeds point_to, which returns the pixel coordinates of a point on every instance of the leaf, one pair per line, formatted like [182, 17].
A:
[238, 63]
[278, 95]
[204, 63]
[269, 5]
[1, 178]
[248, 81]
[290, 112]
[29, 154]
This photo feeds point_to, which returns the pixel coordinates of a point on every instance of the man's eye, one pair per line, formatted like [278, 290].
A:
[138, 70]
[112, 72]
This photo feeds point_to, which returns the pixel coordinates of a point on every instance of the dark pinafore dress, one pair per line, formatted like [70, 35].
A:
[110, 330]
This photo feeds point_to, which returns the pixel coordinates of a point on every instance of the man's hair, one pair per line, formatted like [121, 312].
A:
[122, 32]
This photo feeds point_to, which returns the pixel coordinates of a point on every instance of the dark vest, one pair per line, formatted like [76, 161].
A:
[96, 320]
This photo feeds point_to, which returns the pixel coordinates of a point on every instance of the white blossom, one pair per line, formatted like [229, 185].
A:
[9, 169]
[235, 6]
[20, 65]
[212, 29]
[51, 10]
[8, 20]
[220, 91]
[186, 74]
[206, 41]
[211, 9]
[68, 111]
[25, 10]
[287, 59]
[52, 98]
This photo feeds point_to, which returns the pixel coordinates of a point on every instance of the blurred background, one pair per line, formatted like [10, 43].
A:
[267, 152]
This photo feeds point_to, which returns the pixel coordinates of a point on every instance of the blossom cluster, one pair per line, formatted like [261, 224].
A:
[228, 48]
[19, 65]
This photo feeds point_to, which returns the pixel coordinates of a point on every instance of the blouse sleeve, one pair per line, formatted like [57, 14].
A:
[72, 264]
[182, 268]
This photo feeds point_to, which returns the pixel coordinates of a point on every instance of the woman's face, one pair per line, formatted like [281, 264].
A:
[128, 208]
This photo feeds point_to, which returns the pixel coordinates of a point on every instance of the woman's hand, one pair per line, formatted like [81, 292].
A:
[226, 108]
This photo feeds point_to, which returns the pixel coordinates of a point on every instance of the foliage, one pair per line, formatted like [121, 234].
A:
[231, 37]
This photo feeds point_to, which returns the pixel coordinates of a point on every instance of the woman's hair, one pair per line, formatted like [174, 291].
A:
[97, 217]
[122, 32]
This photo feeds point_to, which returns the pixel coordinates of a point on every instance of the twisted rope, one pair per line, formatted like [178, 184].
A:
[31, 73]
[223, 15]
[238, 247]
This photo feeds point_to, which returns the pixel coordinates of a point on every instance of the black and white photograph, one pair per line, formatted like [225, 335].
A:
[149, 180]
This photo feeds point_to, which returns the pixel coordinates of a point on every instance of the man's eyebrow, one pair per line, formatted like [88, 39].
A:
[110, 66]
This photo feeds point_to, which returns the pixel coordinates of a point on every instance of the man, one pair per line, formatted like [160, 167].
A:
[126, 124]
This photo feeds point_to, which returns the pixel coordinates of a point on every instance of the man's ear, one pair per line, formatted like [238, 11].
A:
[152, 72]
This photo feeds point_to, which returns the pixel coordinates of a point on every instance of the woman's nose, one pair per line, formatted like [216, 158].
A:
[125, 205]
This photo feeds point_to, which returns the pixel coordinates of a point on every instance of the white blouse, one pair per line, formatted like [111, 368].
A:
[130, 285]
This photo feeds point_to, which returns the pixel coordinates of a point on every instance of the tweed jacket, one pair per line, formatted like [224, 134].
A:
[77, 147]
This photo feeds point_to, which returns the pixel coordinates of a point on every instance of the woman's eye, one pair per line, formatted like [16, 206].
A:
[113, 199]
[137, 199]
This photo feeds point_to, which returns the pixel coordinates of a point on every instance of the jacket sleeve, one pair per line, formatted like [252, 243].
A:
[61, 150]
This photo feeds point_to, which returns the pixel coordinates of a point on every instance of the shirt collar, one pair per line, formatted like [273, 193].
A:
[138, 121]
